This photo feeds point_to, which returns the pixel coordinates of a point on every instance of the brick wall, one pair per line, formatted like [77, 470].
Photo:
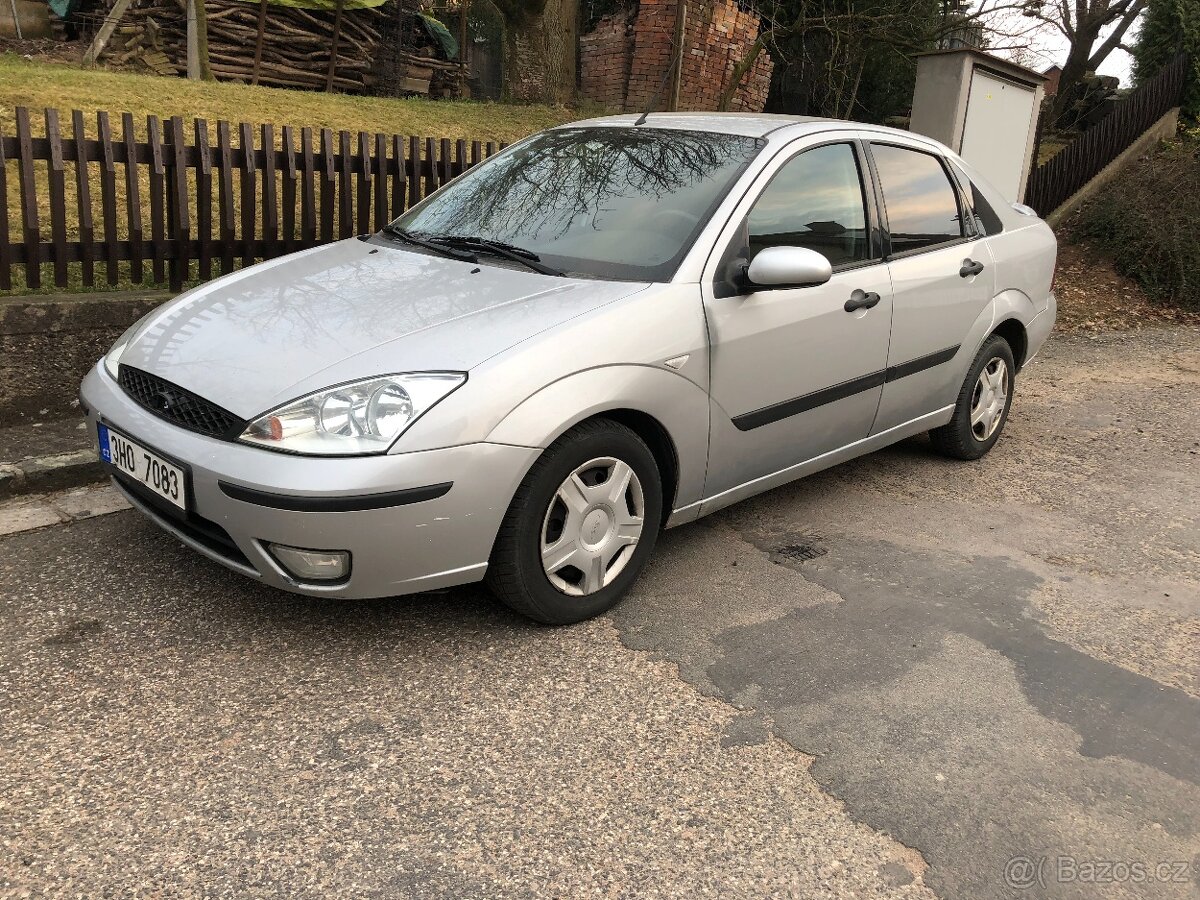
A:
[624, 61]
[604, 58]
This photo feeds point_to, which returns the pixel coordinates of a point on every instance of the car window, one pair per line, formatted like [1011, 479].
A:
[921, 204]
[814, 201]
[622, 203]
[989, 222]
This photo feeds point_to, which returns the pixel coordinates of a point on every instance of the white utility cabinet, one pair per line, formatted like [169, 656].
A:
[984, 108]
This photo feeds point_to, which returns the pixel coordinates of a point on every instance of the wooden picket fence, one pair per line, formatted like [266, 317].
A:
[178, 207]
[1054, 182]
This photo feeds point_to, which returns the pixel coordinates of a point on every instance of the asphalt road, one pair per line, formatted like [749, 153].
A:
[888, 680]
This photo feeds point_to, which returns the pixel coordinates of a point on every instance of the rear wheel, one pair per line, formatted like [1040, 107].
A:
[580, 527]
[983, 404]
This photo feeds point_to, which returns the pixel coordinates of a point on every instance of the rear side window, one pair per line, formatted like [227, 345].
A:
[921, 203]
[814, 201]
[989, 222]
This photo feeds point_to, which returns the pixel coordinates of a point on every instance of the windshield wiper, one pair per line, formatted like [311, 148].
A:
[436, 246]
[500, 248]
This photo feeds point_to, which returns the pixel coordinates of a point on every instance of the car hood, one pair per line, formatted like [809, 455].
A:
[354, 309]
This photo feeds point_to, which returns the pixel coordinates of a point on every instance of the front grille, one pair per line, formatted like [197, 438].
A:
[182, 407]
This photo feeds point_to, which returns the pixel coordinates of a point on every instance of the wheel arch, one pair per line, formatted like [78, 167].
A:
[658, 439]
[1011, 310]
[1013, 331]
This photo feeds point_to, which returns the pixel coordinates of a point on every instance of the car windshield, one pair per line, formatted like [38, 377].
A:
[621, 203]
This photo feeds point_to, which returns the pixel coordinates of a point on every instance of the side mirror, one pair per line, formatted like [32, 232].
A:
[788, 267]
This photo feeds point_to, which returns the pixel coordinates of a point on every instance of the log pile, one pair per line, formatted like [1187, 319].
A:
[140, 42]
[297, 46]
[406, 63]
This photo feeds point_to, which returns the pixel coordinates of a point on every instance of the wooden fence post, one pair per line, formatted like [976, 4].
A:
[182, 225]
[203, 200]
[83, 200]
[5, 249]
[227, 226]
[108, 197]
[288, 198]
[270, 206]
[248, 194]
[29, 205]
[158, 197]
[57, 180]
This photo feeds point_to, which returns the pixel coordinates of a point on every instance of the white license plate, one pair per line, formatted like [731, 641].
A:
[159, 476]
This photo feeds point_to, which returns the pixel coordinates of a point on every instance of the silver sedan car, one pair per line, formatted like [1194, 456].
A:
[607, 329]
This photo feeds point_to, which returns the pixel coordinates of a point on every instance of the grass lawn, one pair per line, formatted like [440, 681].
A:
[36, 85]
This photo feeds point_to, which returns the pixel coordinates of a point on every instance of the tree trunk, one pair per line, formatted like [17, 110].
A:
[202, 41]
[539, 54]
[1073, 71]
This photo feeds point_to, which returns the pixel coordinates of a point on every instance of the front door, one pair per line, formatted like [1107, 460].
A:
[794, 374]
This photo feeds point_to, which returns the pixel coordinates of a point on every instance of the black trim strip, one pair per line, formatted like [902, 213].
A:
[351, 503]
[921, 363]
[777, 411]
[797, 405]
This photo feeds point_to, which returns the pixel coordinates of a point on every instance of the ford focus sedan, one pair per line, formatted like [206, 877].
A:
[609, 328]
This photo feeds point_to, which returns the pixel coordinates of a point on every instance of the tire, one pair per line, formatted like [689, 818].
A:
[962, 439]
[582, 468]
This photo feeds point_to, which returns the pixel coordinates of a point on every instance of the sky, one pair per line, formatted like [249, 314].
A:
[1048, 46]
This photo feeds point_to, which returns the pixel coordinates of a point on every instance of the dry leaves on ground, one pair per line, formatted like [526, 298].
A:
[1093, 296]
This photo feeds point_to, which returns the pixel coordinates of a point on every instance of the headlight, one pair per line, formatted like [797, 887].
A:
[360, 417]
[113, 357]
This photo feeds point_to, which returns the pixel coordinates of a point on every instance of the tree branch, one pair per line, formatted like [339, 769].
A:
[1114, 40]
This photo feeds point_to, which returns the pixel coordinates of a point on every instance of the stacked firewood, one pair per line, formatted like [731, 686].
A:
[295, 49]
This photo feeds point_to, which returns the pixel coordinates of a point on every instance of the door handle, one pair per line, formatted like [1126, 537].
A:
[970, 267]
[861, 300]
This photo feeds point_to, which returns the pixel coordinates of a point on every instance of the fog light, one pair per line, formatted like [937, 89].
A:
[312, 565]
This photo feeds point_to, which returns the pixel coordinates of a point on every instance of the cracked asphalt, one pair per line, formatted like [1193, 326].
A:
[888, 680]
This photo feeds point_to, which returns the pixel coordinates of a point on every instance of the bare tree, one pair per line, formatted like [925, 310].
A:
[850, 29]
[1083, 23]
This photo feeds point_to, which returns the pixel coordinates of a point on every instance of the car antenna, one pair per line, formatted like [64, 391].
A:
[662, 84]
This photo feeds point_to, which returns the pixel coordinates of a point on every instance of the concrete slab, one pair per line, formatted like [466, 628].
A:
[27, 514]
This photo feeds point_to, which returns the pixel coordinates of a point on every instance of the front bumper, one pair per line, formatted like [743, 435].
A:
[418, 545]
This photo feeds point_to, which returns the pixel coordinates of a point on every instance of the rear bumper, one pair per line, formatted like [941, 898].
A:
[405, 529]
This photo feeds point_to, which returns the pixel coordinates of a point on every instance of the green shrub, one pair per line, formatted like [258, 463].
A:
[1147, 218]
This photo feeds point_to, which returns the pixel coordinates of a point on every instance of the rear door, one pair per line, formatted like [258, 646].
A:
[942, 279]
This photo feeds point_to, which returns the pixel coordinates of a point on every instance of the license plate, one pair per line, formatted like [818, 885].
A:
[159, 476]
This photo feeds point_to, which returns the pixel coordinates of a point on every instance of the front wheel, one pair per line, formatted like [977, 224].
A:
[983, 404]
[580, 527]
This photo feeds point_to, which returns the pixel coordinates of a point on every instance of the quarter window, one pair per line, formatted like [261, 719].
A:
[921, 204]
[814, 201]
[985, 216]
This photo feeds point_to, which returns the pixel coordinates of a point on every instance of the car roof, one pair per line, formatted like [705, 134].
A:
[748, 124]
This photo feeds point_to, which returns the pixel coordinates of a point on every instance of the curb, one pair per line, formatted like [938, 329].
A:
[45, 474]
